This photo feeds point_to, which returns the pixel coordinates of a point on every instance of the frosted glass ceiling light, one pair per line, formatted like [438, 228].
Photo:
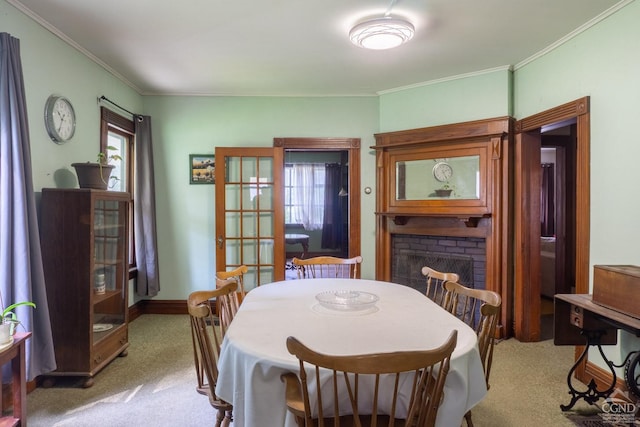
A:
[381, 33]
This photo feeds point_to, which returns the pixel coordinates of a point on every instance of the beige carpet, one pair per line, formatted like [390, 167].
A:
[155, 386]
[528, 384]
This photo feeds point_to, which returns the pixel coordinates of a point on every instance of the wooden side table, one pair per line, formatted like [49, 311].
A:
[15, 354]
[303, 239]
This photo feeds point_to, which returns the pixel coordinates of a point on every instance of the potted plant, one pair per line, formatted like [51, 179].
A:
[9, 320]
[446, 190]
[96, 175]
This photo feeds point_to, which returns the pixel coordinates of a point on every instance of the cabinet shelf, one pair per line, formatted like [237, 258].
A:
[98, 298]
[108, 262]
[107, 227]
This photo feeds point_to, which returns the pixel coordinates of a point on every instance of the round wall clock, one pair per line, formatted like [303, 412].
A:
[59, 119]
[442, 171]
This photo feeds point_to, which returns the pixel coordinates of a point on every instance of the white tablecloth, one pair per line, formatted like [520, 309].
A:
[254, 352]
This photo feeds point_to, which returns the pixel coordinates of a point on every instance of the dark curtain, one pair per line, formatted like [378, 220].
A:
[332, 230]
[547, 201]
[21, 270]
[144, 211]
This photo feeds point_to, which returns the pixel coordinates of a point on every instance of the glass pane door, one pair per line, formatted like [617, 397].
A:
[249, 213]
[110, 274]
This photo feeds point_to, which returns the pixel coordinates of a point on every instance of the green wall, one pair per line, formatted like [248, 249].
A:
[196, 125]
[51, 66]
[601, 63]
[459, 99]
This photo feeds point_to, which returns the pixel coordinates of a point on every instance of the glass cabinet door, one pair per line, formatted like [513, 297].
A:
[110, 266]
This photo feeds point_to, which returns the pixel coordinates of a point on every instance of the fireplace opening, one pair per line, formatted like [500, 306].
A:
[462, 255]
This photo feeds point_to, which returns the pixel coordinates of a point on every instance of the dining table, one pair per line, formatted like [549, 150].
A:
[254, 354]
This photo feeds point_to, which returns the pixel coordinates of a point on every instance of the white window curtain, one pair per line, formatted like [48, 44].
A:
[308, 198]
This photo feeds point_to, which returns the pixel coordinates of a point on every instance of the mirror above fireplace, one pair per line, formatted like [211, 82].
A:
[437, 179]
[456, 177]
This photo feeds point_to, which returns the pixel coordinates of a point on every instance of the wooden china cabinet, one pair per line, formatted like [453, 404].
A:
[85, 242]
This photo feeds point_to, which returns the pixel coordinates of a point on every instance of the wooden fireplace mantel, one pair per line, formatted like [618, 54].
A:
[470, 221]
[485, 214]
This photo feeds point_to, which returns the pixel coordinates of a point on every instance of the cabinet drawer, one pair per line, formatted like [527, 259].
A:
[109, 348]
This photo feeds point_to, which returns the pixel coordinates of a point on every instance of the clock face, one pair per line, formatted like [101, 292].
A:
[442, 171]
[59, 118]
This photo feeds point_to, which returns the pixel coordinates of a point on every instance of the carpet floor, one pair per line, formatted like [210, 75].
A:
[155, 386]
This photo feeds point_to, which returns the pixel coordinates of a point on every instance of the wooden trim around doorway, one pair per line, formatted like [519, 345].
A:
[525, 292]
[352, 146]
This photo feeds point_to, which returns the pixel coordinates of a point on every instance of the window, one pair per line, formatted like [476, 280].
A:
[117, 134]
[304, 194]
[118, 144]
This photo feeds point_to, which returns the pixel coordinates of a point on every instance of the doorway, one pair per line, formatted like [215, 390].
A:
[342, 155]
[557, 218]
[572, 213]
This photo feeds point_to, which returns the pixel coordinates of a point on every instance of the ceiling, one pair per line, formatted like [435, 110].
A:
[301, 47]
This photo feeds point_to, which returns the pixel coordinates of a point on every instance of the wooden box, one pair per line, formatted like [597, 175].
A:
[617, 287]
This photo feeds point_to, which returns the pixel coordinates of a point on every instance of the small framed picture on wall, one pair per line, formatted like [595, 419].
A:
[203, 168]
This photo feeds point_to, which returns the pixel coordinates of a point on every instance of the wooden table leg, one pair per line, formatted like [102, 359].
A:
[15, 354]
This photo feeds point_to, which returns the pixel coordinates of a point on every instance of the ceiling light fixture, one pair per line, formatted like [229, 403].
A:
[382, 33]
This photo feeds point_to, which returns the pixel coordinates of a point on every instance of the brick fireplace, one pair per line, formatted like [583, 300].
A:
[465, 256]
[471, 235]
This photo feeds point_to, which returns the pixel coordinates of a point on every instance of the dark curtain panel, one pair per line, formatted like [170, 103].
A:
[332, 229]
[547, 201]
[21, 271]
[144, 215]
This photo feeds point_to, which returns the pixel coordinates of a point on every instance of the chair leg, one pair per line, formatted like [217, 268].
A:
[467, 418]
[202, 387]
[227, 419]
[219, 418]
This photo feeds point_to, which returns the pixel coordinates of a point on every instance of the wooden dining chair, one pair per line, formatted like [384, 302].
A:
[225, 309]
[228, 306]
[222, 278]
[480, 309]
[330, 390]
[237, 274]
[327, 267]
[207, 338]
[435, 281]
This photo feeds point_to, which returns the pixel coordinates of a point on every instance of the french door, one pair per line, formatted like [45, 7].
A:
[249, 213]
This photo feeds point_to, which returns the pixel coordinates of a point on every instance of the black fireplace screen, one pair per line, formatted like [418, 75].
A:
[407, 267]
